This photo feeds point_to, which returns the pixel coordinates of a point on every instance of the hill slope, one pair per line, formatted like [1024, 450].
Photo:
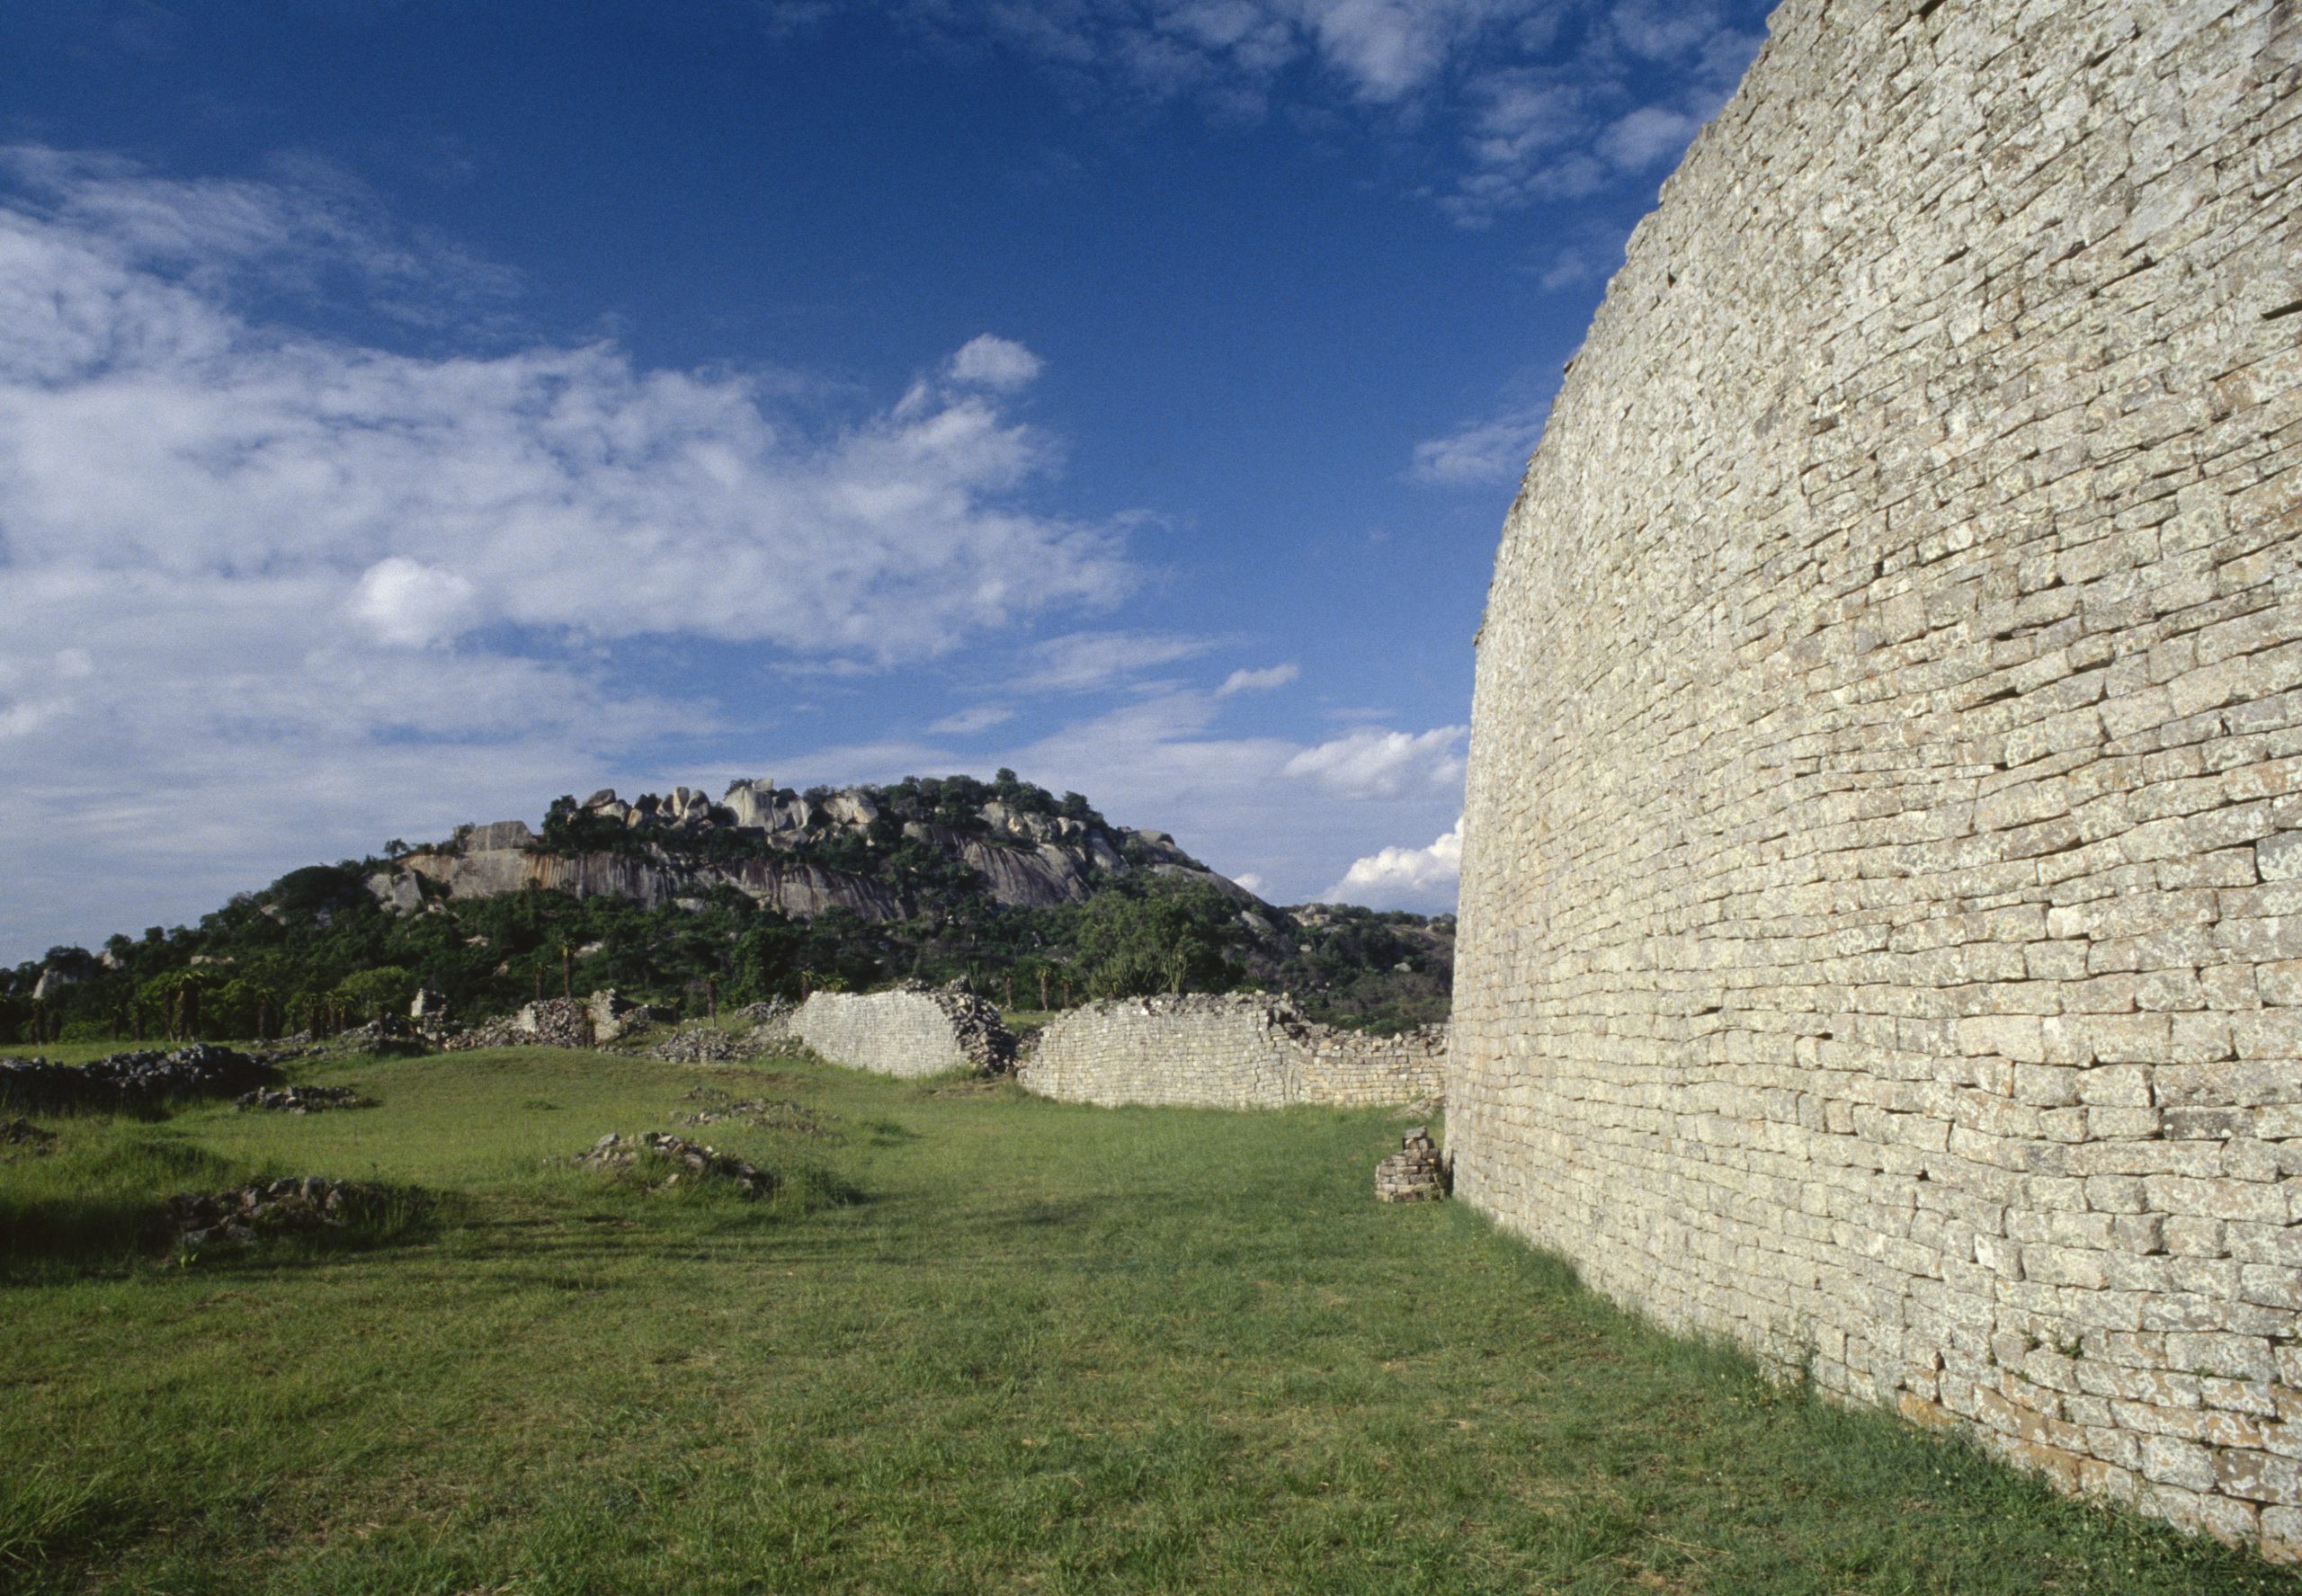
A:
[1033, 900]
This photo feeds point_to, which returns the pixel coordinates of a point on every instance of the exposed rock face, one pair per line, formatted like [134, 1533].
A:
[1236, 1050]
[1882, 868]
[1027, 859]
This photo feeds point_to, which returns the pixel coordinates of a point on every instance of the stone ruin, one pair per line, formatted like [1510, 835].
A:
[299, 1100]
[1882, 915]
[260, 1209]
[23, 1132]
[621, 1152]
[1414, 1173]
[716, 1107]
[907, 1030]
[1234, 1050]
[134, 1082]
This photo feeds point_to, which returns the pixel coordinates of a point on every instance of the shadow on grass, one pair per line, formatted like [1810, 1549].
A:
[97, 1204]
[47, 1513]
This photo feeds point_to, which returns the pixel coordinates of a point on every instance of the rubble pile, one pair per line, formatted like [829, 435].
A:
[1414, 1173]
[23, 1132]
[260, 1209]
[616, 1151]
[702, 1044]
[130, 1080]
[554, 1022]
[716, 1107]
[300, 1099]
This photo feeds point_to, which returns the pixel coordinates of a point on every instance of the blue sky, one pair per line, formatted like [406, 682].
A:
[410, 411]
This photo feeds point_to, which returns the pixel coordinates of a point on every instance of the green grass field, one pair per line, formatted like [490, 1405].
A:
[979, 1342]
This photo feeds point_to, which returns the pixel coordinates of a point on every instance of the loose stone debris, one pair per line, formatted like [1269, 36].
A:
[301, 1100]
[718, 1107]
[137, 1080]
[1414, 1173]
[243, 1214]
[612, 1151]
[23, 1132]
[702, 1044]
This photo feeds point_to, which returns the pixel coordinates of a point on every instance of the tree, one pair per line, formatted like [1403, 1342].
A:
[1173, 936]
[374, 993]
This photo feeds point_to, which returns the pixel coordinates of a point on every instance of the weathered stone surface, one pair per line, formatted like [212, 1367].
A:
[1414, 1173]
[1878, 883]
[244, 1214]
[909, 1031]
[1239, 1050]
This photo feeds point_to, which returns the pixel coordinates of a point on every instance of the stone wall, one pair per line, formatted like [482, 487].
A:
[1243, 1050]
[910, 1031]
[1881, 929]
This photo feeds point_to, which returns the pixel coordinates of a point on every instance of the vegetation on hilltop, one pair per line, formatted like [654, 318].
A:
[315, 950]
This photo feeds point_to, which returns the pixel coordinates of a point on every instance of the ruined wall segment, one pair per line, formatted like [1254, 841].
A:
[1881, 929]
[1239, 1050]
[909, 1031]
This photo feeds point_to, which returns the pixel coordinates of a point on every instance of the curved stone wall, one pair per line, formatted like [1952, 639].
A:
[1881, 929]
[1241, 1050]
[903, 1033]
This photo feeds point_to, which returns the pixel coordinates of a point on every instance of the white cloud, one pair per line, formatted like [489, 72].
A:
[1403, 878]
[1000, 363]
[1082, 661]
[1649, 135]
[974, 718]
[1157, 762]
[1261, 680]
[413, 604]
[323, 593]
[1370, 763]
[1484, 452]
[1527, 90]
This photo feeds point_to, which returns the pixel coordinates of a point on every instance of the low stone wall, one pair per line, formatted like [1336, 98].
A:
[910, 1031]
[1243, 1050]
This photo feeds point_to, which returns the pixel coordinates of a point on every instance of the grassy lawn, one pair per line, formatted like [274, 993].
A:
[980, 1342]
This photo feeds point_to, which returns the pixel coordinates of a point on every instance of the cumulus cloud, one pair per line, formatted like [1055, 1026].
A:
[1482, 453]
[1403, 878]
[407, 602]
[368, 587]
[1000, 363]
[1262, 680]
[1370, 763]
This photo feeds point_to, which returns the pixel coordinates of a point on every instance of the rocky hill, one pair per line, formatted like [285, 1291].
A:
[693, 903]
[877, 852]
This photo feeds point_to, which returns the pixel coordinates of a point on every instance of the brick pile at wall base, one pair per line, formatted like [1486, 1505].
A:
[1240, 1050]
[912, 1030]
[1881, 920]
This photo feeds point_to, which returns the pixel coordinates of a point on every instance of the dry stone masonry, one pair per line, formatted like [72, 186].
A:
[1881, 929]
[1414, 1173]
[1240, 1050]
[911, 1030]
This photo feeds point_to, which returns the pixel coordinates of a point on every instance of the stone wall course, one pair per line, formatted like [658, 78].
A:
[1238, 1050]
[1882, 886]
